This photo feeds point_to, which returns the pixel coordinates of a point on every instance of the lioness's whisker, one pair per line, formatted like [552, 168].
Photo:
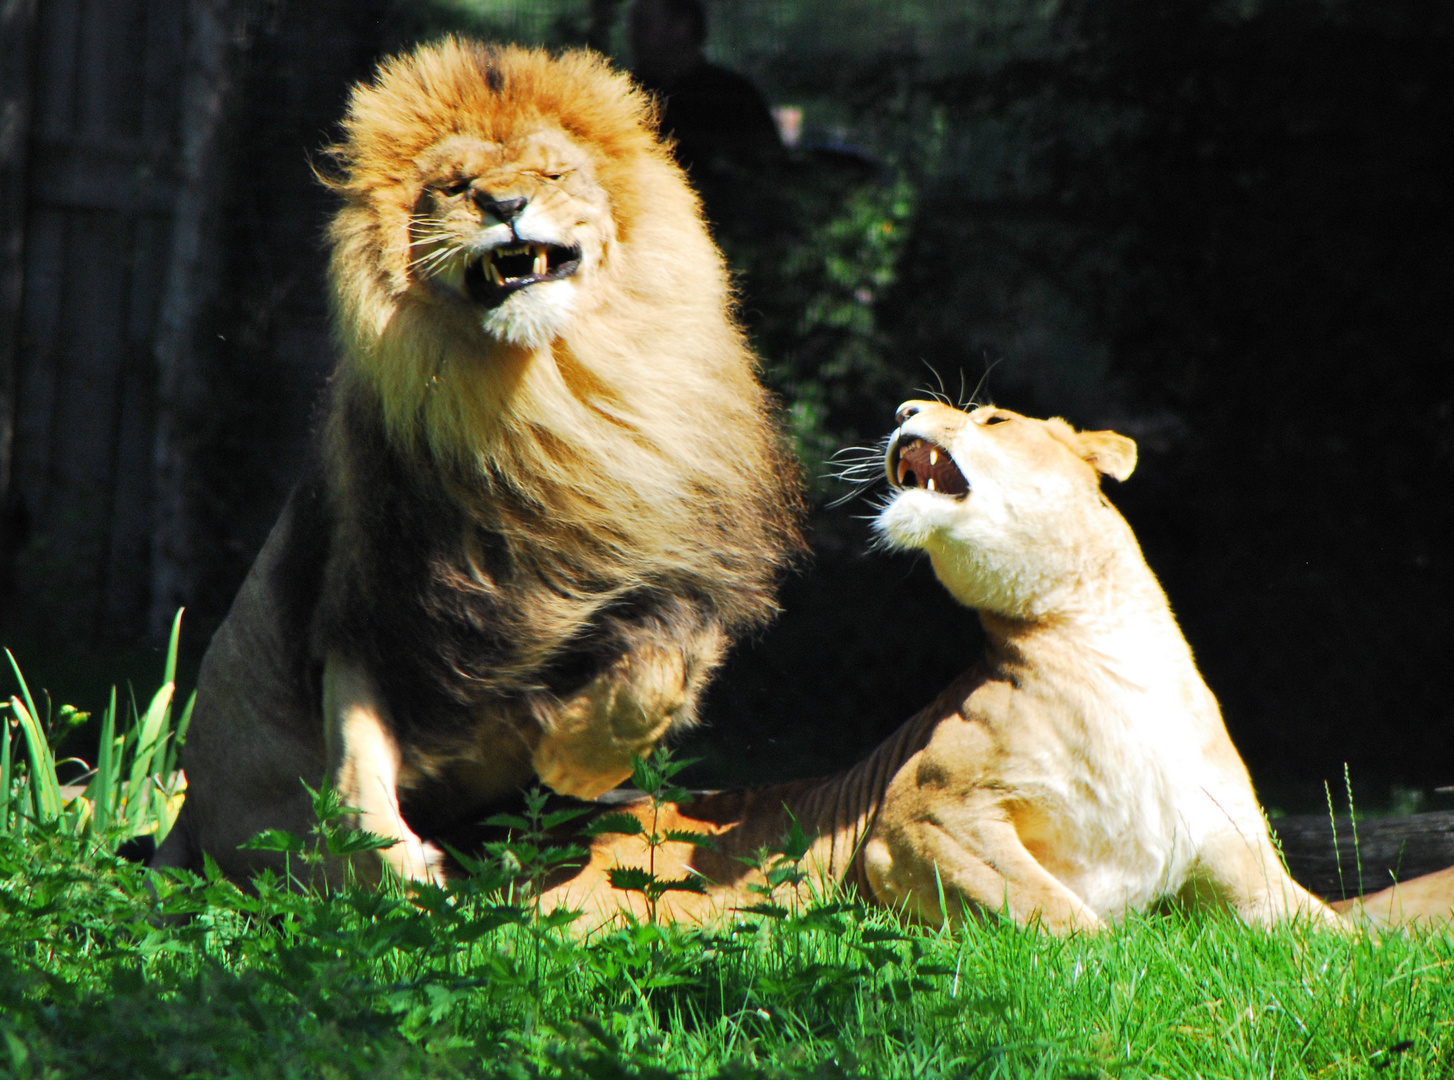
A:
[858, 490]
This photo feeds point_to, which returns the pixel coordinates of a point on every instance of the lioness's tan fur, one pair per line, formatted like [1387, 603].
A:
[1081, 771]
[538, 512]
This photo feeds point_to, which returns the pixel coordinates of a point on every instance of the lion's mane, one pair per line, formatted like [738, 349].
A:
[560, 500]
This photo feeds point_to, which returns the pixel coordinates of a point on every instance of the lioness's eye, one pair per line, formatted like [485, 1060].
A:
[455, 187]
[996, 419]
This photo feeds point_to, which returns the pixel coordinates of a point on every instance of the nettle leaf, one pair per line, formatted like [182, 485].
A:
[795, 841]
[870, 935]
[568, 853]
[506, 821]
[349, 841]
[696, 839]
[493, 918]
[645, 775]
[686, 884]
[625, 824]
[629, 878]
[274, 840]
[781, 874]
[554, 920]
[328, 803]
[557, 818]
[772, 911]
[472, 866]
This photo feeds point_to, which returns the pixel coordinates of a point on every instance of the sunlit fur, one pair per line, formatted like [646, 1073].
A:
[636, 435]
[535, 518]
[1079, 772]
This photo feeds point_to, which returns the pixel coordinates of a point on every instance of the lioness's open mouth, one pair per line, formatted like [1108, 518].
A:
[913, 462]
[491, 277]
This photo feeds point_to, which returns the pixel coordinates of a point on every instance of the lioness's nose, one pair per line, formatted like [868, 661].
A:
[505, 210]
[908, 409]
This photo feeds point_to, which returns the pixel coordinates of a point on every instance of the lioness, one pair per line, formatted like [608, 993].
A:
[1079, 772]
[548, 491]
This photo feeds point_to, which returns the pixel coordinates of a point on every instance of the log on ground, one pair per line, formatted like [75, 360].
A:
[1330, 863]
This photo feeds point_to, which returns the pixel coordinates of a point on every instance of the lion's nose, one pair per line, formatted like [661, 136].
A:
[908, 409]
[504, 210]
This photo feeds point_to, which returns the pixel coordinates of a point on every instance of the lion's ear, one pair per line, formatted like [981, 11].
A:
[1110, 454]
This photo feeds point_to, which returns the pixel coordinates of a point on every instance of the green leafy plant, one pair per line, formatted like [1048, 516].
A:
[133, 789]
[781, 866]
[653, 777]
[333, 837]
[530, 851]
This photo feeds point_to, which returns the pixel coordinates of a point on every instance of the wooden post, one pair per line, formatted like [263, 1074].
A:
[17, 28]
[190, 276]
[603, 21]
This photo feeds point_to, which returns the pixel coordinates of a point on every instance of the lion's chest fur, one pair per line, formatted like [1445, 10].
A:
[1109, 782]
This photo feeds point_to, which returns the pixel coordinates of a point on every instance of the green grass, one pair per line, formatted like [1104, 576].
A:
[109, 970]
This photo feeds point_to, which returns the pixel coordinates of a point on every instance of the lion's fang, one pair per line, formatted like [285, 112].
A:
[930, 484]
[933, 456]
[541, 265]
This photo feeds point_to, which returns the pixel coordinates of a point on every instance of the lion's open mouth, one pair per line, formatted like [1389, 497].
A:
[913, 462]
[494, 275]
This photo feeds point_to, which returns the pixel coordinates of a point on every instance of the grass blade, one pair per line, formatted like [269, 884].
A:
[103, 787]
[24, 690]
[4, 776]
[45, 791]
[152, 732]
[179, 737]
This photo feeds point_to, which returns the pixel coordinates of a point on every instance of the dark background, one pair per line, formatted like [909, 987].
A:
[1221, 228]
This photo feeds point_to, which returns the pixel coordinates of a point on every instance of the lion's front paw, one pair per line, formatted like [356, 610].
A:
[414, 859]
[590, 740]
[567, 769]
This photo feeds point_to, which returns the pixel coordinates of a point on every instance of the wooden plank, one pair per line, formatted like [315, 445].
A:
[127, 578]
[57, 33]
[1389, 849]
[127, 176]
[45, 250]
[219, 38]
[128, 570]
[111, 69]
[92, 341]
[166, 45]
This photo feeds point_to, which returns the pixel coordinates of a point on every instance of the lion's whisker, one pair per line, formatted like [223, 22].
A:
[438, 255]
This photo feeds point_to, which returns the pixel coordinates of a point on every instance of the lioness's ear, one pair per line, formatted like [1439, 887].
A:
[1110, 454]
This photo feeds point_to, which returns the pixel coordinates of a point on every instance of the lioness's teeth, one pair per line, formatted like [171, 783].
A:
[540, 263]
[494, 271]
[903, 471]
[933, 456]
[930, 484]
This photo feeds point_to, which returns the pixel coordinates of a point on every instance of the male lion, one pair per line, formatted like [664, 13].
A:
[1080, 771]
[548, 490]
